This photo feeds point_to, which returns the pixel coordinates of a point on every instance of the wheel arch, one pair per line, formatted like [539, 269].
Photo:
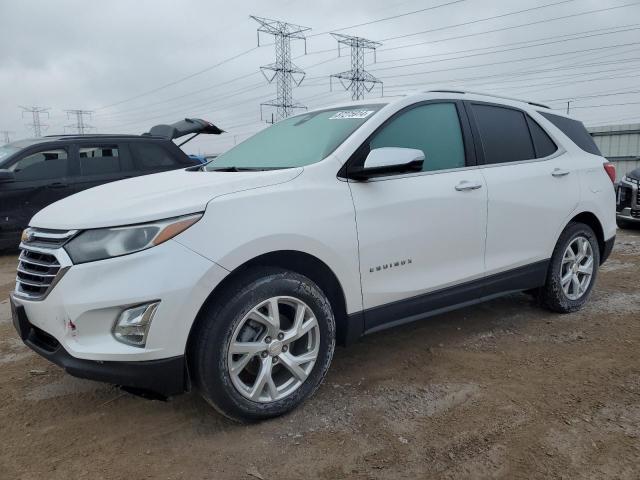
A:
[590, 219]
[299, 262]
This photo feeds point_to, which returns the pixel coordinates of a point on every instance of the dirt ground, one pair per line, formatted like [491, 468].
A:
[501, 390]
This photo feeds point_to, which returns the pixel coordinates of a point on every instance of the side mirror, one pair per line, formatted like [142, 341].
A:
[388, 161]
[7, 176]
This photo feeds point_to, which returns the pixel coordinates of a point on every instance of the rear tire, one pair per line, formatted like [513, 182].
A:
[251, 367]
[572, 270]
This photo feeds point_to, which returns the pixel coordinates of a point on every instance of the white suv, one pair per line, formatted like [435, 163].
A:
[238, 277]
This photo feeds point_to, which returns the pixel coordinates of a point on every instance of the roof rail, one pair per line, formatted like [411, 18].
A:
[490, 95]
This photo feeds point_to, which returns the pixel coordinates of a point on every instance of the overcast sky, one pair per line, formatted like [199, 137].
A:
[115, 57]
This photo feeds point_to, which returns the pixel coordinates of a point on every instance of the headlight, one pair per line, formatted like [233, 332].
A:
[92, 245]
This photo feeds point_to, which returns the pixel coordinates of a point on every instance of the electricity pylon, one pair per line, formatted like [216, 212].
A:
[6, 136]
[358, 80]
[80, 126]
[36, 124]
[283, 70]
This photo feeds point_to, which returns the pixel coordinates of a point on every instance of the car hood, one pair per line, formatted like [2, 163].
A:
[634, 174]
[151, 197]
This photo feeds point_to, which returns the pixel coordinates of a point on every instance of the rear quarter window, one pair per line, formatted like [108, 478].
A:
[151, 156]
[575, 131]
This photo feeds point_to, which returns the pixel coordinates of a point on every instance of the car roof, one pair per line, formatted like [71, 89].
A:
[456, 94]
[28, 142]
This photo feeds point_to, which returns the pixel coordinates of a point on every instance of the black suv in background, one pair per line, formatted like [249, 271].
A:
[628, 200]
[37, 172]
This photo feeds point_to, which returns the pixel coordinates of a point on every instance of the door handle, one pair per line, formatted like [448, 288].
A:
[465, 185]
[559, 172]
[57, 185]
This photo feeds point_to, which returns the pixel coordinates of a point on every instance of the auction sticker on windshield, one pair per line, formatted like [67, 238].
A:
[348, 114]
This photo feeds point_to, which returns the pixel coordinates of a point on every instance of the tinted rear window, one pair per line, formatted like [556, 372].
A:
[575, 131]
[153, 157]
[504, 134]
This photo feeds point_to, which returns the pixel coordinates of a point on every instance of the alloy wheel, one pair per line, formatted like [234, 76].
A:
[273, 349]
[576, 270]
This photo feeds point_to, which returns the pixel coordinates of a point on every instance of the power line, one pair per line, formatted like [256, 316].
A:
[588, 34]
[332, 59]
[511, 27]
[478, 20]
[285, 73]
[607, 105]
[497, 63]
[520, 73]
[359, 80]
[170, 84]
[36, 124]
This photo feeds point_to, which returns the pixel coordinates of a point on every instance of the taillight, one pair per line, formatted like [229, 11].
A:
[610, 168]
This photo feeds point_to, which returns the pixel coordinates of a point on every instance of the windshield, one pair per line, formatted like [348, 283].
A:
[5, 151]
[296, 141]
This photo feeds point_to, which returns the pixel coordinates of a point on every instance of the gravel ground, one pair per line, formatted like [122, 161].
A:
[500, 390]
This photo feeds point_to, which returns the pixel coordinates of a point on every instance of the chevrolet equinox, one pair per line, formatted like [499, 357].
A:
[238, 277]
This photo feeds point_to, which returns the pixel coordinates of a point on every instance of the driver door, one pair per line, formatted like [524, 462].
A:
[422, 232]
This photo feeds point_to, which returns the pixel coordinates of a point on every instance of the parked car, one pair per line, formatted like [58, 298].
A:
[628, 200]
[239, 277]
[39, 171]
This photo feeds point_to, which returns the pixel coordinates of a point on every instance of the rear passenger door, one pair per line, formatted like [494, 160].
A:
[533, 186]
[101, 163]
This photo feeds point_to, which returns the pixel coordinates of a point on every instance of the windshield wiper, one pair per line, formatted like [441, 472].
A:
[235, 169]
[242, 169]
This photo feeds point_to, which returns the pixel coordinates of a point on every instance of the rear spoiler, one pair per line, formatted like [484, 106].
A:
[194, 126]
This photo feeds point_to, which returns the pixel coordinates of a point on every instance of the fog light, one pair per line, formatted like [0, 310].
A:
[133, 324]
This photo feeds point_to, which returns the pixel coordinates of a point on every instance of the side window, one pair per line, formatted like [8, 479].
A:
[45, 165]
[575, 131]
[542, 143]
[504, 134]
[150, 156]
[433, 128]
[99, 160]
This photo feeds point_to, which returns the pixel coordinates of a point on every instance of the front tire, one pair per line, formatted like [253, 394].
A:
[572, 271]
[264, 345]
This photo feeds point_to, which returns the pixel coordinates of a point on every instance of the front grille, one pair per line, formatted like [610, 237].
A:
[47, 238]
[38, 269]
[36, 273]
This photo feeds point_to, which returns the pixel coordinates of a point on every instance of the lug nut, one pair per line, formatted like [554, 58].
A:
[280, 336]
[267, 339]
[264, 354]
[274, 359]
[285, 348]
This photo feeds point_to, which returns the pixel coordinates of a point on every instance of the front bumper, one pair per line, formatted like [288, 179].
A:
[628, 215]
[628, 200]
[72, 325]
[164, 377]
